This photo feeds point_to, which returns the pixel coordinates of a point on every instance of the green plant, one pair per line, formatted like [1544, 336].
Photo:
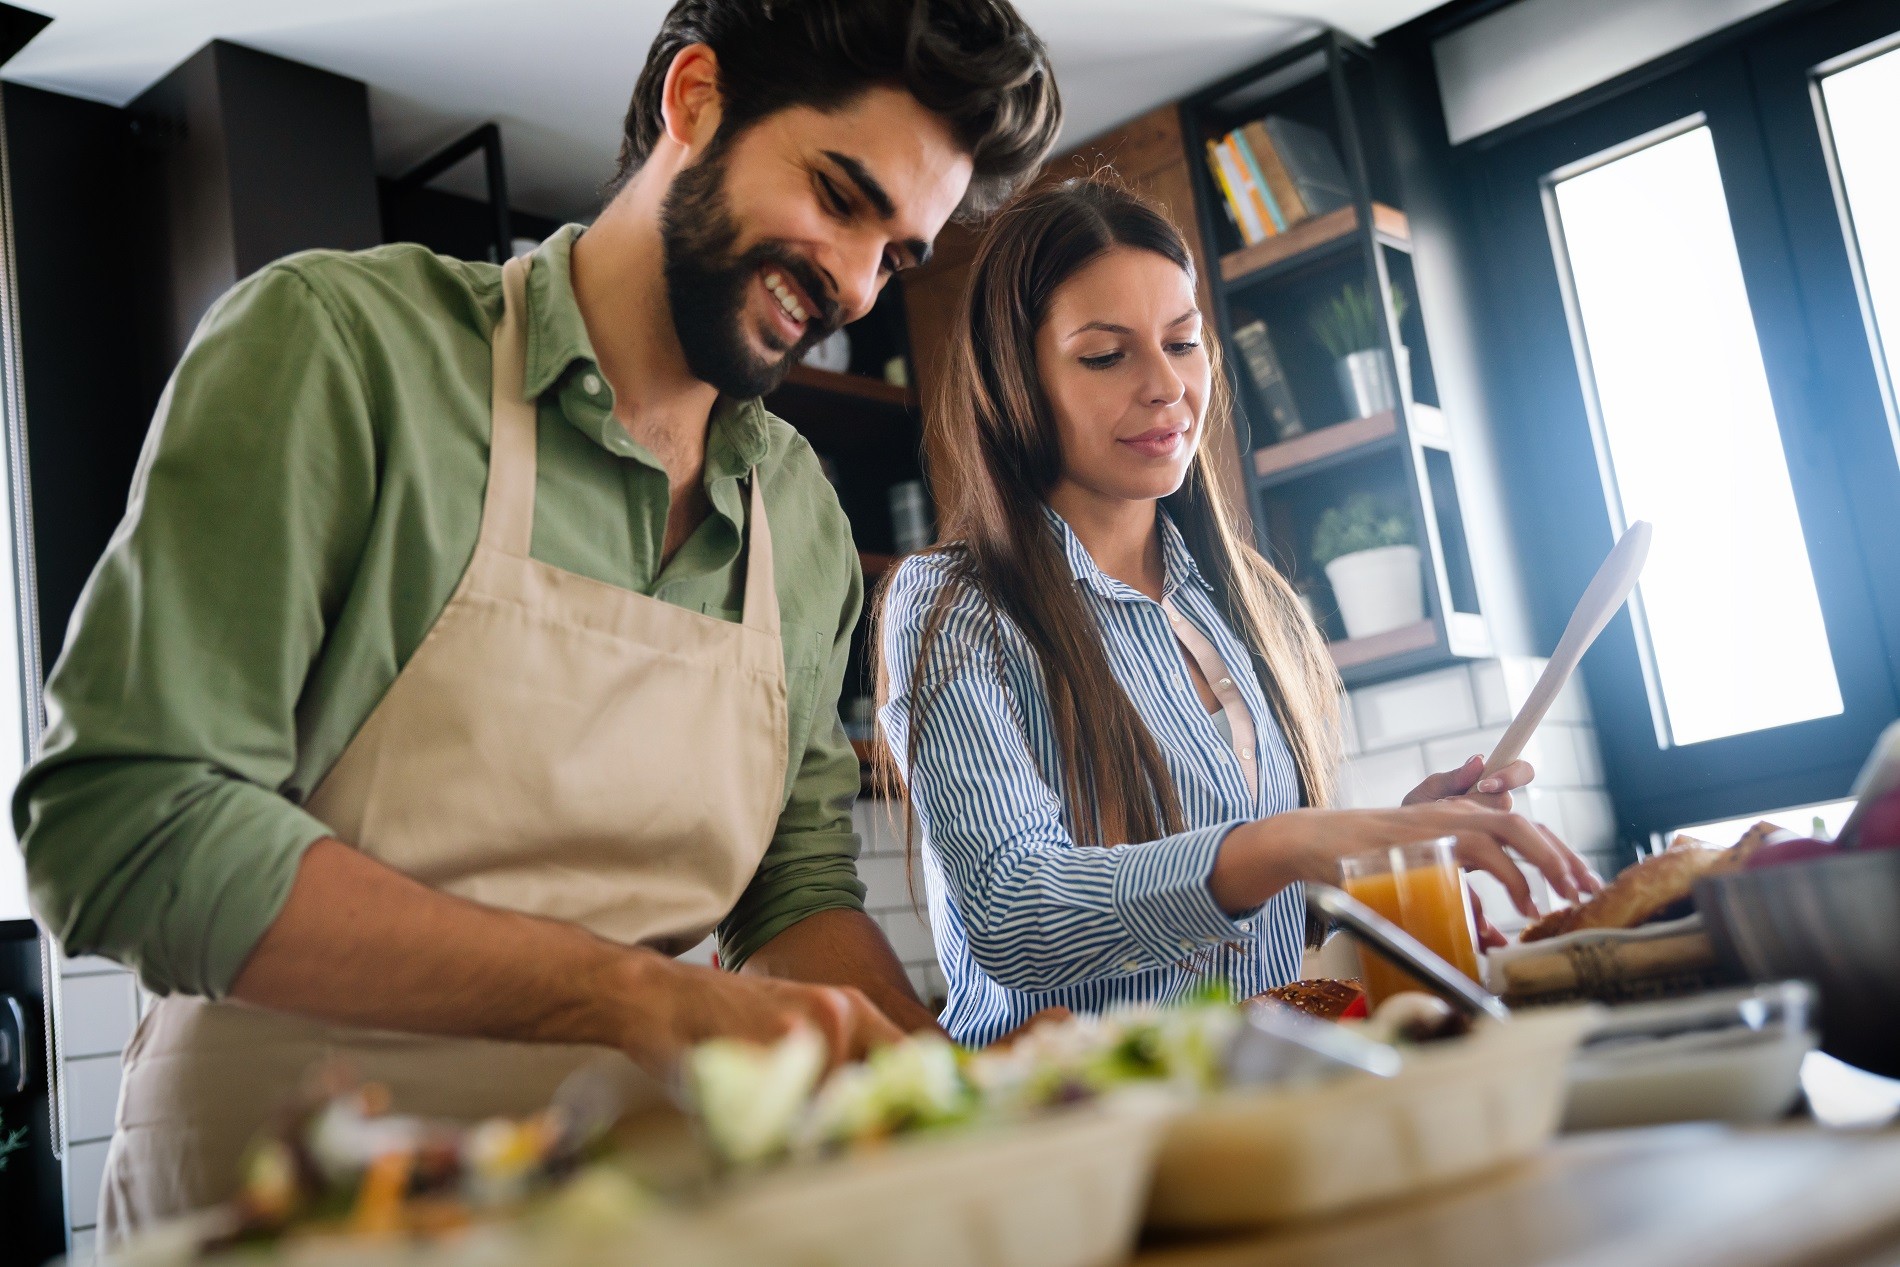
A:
[11, 1142]
[1361, 522]
[1350, 321]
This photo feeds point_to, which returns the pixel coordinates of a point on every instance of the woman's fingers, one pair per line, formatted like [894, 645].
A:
[1515, 774]
[1585, 879]
[1489, 938]
[1448, 783]
[1481, 851]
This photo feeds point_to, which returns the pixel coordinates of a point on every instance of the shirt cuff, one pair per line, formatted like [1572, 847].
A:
[1162, 898]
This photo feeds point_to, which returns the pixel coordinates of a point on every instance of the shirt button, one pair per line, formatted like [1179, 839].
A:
[1186, 944]
[1246, 756]
[1129, 965]
[591, 384]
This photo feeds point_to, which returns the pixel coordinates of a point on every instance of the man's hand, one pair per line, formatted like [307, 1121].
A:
[846, 948]
[672, 1005]
[360, 943]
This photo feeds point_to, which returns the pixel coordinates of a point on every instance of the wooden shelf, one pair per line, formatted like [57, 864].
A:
[1350, 653]
[859, 386]
[1328, 446]
[1307, 237]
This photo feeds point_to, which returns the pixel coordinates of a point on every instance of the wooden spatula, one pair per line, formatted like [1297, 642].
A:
[1611, 585]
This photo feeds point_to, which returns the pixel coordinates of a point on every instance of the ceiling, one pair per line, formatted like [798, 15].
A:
[556, 73]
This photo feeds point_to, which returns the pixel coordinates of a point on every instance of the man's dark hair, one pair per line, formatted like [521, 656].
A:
[975, 63]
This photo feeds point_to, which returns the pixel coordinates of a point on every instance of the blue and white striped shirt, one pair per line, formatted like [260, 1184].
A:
[1023, 918]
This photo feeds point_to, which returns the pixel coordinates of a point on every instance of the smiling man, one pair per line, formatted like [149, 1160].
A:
[474, 636]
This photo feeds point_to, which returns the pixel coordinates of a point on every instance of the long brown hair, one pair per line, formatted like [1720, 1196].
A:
[992, 443]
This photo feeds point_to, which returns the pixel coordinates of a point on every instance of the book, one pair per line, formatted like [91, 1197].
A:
[1249, 188]
[1228, 204]
[1257, 179]
[1252, 229]
[1285, 192]
[1263, 367]
[1312, 162]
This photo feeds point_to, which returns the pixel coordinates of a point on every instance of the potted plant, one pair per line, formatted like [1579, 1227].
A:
[1366, 549]
[1349, 327]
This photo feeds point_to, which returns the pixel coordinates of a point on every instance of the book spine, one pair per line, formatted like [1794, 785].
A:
[1251, 228]
[1227, 194]
[1312, 163]
[1258, 179]
[1269, 379]
[1254, 195]
[1285, 192]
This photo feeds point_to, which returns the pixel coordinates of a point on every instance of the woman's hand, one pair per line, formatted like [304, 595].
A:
[1492, 792]
[1259, 859]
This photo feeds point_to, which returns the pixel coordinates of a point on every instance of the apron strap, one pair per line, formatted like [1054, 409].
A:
[508, 504]
[761, 588]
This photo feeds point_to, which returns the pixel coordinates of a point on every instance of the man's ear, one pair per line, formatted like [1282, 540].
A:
[690, 104]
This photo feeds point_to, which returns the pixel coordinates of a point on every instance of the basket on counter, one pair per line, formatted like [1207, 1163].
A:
[1249, 1157]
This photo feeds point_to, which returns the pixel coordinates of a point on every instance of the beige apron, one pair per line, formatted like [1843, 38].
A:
[557, 746]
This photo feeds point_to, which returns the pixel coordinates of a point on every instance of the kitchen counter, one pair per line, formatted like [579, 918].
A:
[1672, 1196]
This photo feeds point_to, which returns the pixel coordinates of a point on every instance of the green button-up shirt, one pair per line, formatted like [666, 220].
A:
[306, 502]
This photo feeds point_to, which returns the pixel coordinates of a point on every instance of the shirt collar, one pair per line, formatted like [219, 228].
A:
[559, 348]
[1177, 563]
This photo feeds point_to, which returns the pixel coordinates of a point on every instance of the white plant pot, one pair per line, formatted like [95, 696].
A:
[1378, 590]
[1365, 384]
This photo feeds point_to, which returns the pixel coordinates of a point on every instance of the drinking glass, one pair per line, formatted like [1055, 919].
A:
[1420, 888]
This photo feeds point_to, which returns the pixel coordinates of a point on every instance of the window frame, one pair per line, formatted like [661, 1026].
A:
[1567, 519]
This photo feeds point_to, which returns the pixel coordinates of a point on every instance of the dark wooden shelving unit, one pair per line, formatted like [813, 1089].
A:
[1302, 243]
[1402, 454]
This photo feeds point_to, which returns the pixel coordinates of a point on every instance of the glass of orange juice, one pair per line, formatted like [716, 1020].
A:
[1420, 888]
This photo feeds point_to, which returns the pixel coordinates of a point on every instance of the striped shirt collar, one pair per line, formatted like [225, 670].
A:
[1177, 562]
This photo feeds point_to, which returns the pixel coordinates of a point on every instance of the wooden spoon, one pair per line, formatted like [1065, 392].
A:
[1612, 584]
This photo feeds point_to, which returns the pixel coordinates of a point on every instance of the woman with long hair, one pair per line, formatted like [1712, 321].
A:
[1116, 726]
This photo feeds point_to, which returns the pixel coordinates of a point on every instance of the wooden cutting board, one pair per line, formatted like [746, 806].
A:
[1666, 1196]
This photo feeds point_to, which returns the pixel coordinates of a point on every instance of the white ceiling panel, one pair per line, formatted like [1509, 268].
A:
[556, 74]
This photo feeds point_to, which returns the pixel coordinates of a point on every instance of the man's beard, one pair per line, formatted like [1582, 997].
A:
[708, 281]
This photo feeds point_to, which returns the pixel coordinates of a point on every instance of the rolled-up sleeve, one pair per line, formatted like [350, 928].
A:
[811, 864]
[1039, 911]
[152, 821]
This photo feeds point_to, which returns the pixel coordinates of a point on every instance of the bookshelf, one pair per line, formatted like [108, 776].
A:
[1298, 142]
[869, 435]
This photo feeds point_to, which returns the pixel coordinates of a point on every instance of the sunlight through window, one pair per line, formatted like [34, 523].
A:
[1861, 104]
[1667, 350]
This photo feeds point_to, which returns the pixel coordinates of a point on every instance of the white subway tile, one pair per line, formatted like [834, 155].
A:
[929, 983]
[1591, 820]
[97, 1014]
[85, 1166]
[1589, 756]
[1381, 780]
[885, 883]
[1542, 805]
[909, 936]
[92, 1097]
[86, 966]
[1488, 692]
[1452, 752]
[1422, 707]
[880, 825]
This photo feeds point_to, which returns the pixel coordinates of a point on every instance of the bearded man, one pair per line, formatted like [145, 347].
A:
[473, 639]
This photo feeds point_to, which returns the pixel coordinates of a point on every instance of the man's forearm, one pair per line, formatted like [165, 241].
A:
[360, 943]
[845, 947]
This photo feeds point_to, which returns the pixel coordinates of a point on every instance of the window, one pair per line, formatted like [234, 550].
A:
[1799, 819]
[1857, 105]
[1688, 439]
